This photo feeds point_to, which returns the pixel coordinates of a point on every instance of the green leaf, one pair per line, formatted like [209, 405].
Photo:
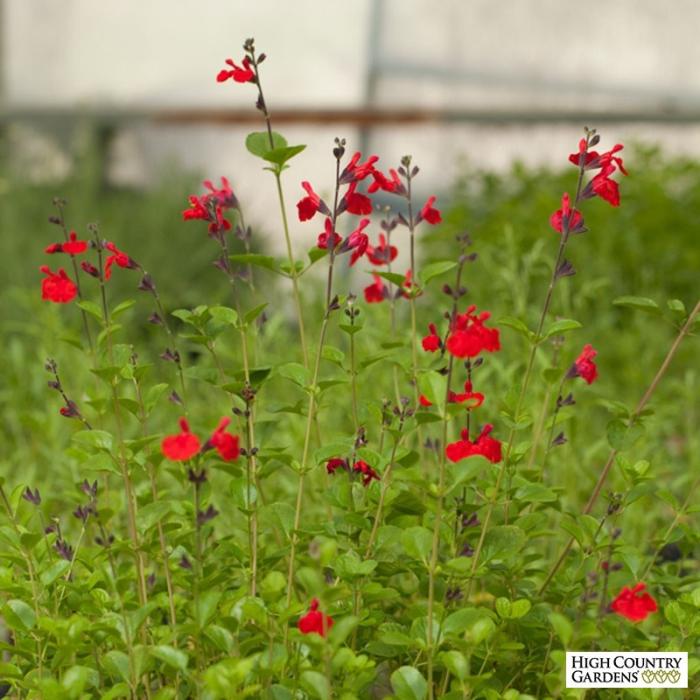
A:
[77, 678]
[251, 315]
[640, 303]
[280, 156]
[117, 664]
[517, 325]
[92, 308]
[408, 683]
[433, 386]
[621, 437]
[435, 269]
[224, 315]
[18, 615]
[56, 570]
[175, 658]
[94, 438]
[503, 608]
[418, 542]
[316, 684]
[256, 259]
[560, 326]
[295, 372]
[455, 663]
[258, 142]
[393, 277]
[520, 608]
[562, 626]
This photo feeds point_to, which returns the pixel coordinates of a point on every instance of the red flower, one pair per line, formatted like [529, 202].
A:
[332, 465]
[574, 220]
[474, 398]
[584, 366]
[72, 246]
[309, 205]
[358, 241]
[210, 207]
[118, 257]
[240, 74]
[181, 447]
[633, 604]
[606, 188]
[57, 286]
[432, 342]
[376, 291]
[328, 234]
[469, 336]
[588, 156]
[484, 445]
[367, 472]
[315, 621]
[225, 443]
[381, 182]
[355, 202]
[429, 213]
[382, 254]
[355, 170]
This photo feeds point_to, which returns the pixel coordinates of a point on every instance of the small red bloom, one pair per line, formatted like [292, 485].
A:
[588, 156]
[355, 170]
[368, 474]
[573, 217]
[391, 184]
[382, 254]
[429, 213]
[332, 465]
[584, 365]
[358, 241]
[89, 268]
[633, 604]
[355, 202]
[72, 246]
[431, 342]
[376, 291]
[309, 205]
[315, 621]
[606, 188]
[484, 445]
[408, 285]
[57, 286]
[181, 447]
[328, 235]
[119, 258]
[474, 398]
[225, 443]
[469, 336]
[241, 74]
[210, 207]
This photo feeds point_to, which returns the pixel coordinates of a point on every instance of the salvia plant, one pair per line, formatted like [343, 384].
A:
[329, 485]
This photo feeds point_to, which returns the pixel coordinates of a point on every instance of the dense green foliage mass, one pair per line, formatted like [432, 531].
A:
[85, 627]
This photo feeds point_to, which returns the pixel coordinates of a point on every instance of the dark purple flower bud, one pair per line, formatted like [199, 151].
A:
[89, 489]
[559, 440]
[89, 269]
[467, 550]
[567, 400]
[146, 284]
[65, 551]
[204, 516]
[565, 269]
[470, 521]
[175, 398]
[197, 477]
[32, 496]
[453, 594]
[184, 562]
[170, 356]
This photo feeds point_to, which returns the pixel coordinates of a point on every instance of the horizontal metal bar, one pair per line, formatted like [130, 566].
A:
[362, 117]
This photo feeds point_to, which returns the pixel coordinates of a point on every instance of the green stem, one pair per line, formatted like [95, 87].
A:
[613, 453]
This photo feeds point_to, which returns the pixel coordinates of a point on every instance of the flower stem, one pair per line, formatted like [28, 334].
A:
[613, 453]
[526, 380]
